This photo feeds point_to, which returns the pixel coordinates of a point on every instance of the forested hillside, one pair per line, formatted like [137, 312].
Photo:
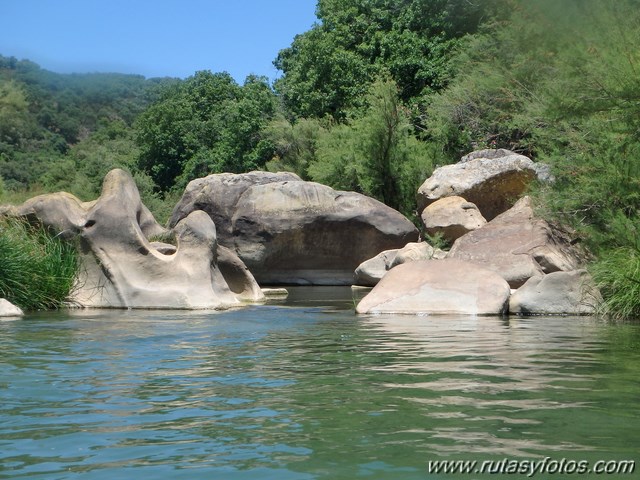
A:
[373, 97]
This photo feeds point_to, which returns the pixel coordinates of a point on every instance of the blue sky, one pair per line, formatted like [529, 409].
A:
[154, 38]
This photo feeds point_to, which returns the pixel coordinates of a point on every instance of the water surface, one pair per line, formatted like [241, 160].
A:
[308, 390]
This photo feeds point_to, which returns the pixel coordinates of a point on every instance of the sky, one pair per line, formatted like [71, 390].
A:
[154, 38]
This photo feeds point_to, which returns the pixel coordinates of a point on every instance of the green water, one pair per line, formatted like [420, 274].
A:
[308, 390]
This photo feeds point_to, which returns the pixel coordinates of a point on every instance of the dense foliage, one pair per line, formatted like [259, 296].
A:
[206, 124]
[373, 97]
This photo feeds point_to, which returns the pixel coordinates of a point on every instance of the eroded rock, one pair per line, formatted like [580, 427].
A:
[9, 310]
[296, 232]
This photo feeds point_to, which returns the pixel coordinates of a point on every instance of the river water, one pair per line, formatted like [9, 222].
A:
[305, 389]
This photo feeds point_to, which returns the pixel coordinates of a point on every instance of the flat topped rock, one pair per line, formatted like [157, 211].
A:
[434, 287]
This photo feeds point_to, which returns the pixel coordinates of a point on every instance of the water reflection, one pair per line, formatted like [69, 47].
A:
[306, 389]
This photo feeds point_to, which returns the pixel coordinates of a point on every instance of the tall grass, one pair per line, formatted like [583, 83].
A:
[617, 274]
[37, 269]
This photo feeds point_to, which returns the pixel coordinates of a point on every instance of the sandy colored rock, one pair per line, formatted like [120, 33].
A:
[8, 309]
[452, 217]
[493, 180]
[517, 245]
[369, 272]
[558, 293]
[414, 251]
[62, 212]
[122, 269]
[433, 287]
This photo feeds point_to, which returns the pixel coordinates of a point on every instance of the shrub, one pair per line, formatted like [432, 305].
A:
[37, 268]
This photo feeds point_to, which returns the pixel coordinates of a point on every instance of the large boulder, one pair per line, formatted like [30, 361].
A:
[452, 217]
[8, 309]
[432, 287]
[297, 232]
[517, 245]
[558, 293]
[493, 180]
[218, 196]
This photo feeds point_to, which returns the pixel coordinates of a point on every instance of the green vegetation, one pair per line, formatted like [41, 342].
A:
[373, 97]
[37, 269]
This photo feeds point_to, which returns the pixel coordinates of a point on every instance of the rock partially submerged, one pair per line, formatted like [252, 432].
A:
[9, 310]
[295, 232]
[493, 180]
[517, 245]
[558, 293]
[121, 268]
[433, 287]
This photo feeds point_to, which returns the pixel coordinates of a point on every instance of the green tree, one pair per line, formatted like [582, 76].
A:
[207, 124]
[377, 153]
[328, 69]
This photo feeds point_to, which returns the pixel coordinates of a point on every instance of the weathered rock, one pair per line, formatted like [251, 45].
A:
[446, 286]
[517, 245]
[414, 251]
[369, 272]
[62, 212]
[238, 277]
[296, 232]
[452, 217]
[8, 309]
[121, 268]
[218, 195]
[491, 179]
[558, 293]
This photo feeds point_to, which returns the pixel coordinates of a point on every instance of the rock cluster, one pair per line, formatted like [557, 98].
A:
[525, 252]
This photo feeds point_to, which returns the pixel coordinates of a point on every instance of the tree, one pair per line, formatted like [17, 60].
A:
[207, 124]
[377, 153]
[328, 69]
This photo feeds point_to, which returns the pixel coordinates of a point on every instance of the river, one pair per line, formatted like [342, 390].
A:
[306, 389]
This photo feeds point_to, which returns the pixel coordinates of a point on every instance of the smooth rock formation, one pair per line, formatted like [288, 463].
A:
[123, 269]
[493, 180]
[433, 287]
[296, 232]
[62, 212]
[517, 245]
[558, 293]
[369, 272]
[8, 309]
[452, 217]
